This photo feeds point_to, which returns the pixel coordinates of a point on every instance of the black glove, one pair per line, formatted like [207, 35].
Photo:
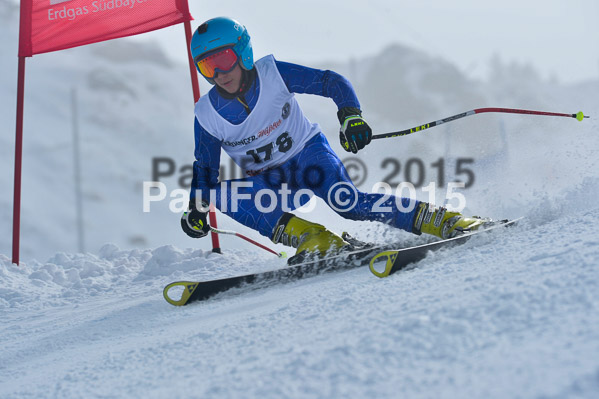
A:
[194, 222]
[354, 133]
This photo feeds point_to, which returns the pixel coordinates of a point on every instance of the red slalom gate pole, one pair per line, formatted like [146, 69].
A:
[579, 116]
[16, 213]
[192, 69]
[196, 97]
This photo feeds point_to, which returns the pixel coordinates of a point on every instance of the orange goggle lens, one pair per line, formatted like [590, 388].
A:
[223, 61]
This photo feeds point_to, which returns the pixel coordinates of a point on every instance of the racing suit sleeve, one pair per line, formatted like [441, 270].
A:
[207, 163]
[326, 83]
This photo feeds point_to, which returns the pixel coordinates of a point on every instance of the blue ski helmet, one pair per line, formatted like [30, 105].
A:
[219, 33]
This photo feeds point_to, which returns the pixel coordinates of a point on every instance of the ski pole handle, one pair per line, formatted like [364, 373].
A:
[579, 116]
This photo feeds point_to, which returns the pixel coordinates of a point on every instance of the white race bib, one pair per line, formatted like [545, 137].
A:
[273, 132]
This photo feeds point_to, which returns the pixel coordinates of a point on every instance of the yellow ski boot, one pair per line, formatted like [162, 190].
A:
[444, 224]
[310, 239]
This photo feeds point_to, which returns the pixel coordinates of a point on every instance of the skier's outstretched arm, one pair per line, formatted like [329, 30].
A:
[354, 133]
[326, 83]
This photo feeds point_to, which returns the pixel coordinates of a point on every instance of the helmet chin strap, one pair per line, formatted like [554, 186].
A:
[247, 78]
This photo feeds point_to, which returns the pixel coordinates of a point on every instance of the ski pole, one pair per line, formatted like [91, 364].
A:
[579, 116]
[234, 233]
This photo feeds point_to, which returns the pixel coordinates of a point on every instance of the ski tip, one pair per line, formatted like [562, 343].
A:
[382, 263]
[187, 288]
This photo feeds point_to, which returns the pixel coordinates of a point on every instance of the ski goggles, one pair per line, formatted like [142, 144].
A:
[221, 61]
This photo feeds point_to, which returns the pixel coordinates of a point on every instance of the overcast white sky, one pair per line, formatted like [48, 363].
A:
[559, 37]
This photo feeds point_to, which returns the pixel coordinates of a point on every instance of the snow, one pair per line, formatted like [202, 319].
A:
[511, 314]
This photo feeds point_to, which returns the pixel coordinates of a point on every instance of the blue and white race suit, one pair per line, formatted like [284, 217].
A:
[277, 147]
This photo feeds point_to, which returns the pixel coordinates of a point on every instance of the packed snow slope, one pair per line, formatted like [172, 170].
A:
[511, 314]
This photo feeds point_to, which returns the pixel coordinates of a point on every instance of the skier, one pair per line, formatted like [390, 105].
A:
[252, 114]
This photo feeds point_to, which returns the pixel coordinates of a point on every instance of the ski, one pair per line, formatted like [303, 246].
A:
[396, 259]
[387, 262]
[202, 290]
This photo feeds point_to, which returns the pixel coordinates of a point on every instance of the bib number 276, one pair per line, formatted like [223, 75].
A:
[284, 143]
